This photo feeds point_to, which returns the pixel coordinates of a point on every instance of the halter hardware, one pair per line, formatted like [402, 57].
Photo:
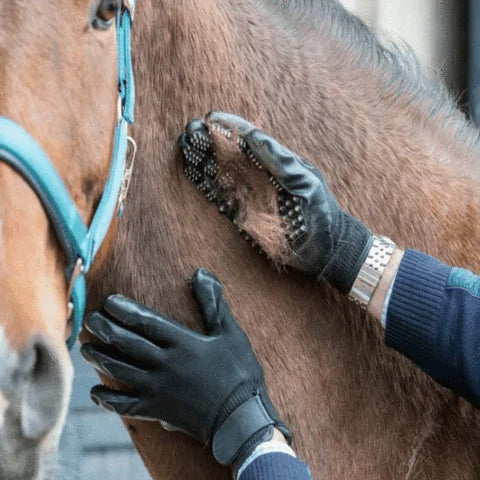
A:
[19, 150]
[127, 176]
[130, 6]
[78, 269]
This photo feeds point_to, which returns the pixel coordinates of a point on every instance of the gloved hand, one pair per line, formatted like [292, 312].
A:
[326, 241]
[210, 386]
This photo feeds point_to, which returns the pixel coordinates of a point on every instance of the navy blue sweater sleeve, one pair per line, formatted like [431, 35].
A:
[276, 466]
[433, 318]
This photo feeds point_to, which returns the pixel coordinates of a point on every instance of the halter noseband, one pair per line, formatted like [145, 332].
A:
[19, 150]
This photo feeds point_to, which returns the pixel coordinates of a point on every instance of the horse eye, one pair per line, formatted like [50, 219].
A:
[106, 12]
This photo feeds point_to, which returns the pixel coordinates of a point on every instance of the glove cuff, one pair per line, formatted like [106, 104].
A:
[352, 242]
[246, 422]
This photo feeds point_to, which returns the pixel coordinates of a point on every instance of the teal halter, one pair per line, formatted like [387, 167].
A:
[19, 150]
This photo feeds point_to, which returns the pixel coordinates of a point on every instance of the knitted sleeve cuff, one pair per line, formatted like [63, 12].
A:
[264, 449]
[414, 309]
[275, 465]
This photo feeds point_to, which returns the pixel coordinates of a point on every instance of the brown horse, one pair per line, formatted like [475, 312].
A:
[319, 80]
[58, 80]
[398, 154]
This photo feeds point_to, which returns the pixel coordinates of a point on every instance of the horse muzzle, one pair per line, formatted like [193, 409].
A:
[35, 385]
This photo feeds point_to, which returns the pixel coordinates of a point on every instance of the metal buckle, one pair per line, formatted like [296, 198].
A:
[78, 270]
[127, 174]
[119, 108]
[130, 6]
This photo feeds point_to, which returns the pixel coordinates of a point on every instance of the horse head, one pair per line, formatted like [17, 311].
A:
[59, 83]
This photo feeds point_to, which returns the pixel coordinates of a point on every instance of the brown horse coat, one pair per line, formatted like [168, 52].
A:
[398, 155]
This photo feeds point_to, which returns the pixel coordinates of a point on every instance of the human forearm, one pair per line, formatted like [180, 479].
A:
[433, 320]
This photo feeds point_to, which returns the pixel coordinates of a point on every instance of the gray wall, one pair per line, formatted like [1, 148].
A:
[95, 445]
[435, 29]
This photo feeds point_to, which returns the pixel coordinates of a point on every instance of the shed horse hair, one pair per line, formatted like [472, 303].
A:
[398, 154]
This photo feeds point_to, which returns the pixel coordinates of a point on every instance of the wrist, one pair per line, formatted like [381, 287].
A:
[263, 437]
[273, 437]
[371, 271]
[278, 444]
[352, 241]
[279, 437]
[244, 422]
[377, 304]
[268, 440]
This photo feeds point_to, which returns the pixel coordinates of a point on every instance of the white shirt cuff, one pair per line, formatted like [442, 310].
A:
[383, 319]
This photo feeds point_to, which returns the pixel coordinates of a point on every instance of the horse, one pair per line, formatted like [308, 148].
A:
[319, 80]
[399, 155]
[59, 82]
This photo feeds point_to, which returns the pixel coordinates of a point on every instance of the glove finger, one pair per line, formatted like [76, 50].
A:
[195, 160]
[124, 403]
[198, 136]
[208, 293]
[147, 322]
[200, 166]
[130, 343]
[114, 365]
[192, 160]
[231, 122]
[292, 173]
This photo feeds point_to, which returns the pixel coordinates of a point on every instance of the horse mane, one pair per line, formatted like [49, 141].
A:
[394, 60]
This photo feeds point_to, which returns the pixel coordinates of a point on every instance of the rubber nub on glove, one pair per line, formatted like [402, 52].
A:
[221, 166]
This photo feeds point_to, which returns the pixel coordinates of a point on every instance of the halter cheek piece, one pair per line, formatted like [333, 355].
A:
[19, 150]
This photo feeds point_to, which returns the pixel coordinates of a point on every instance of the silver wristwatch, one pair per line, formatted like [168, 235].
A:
[371, 271]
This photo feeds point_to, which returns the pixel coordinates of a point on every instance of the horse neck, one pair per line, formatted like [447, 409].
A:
[387, 138]
[379, 147]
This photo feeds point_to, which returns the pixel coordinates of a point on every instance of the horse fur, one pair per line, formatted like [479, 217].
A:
[398, 154]
[252, 191]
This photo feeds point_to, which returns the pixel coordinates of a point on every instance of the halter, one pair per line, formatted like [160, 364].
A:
[19, 150]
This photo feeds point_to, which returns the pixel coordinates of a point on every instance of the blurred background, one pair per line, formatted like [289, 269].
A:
[445, 34]
[95, 445]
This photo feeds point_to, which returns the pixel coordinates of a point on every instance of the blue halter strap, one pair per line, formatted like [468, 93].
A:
[23, 153]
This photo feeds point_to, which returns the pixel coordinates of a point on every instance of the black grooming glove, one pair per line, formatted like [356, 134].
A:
[326, 241]
[210, 386]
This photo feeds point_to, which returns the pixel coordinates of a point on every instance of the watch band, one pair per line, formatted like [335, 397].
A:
[371, 271]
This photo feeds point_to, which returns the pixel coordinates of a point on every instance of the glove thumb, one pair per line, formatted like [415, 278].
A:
[208, 293]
